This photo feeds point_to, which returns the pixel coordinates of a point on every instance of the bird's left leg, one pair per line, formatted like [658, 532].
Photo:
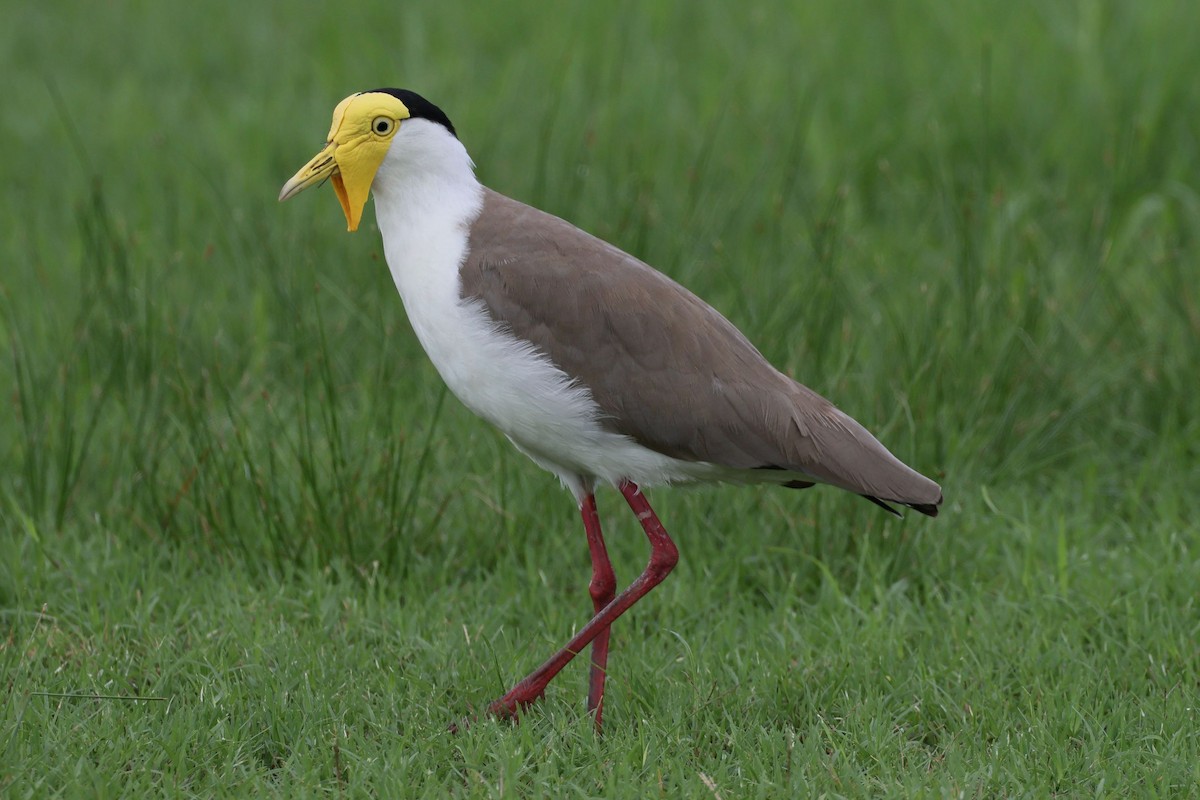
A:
[603, 589]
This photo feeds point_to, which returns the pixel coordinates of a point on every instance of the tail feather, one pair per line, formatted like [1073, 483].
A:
[928, 509]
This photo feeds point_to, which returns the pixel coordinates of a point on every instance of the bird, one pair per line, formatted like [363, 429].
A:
[599, 368]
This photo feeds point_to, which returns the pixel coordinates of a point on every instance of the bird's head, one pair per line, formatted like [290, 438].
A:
[364, 127]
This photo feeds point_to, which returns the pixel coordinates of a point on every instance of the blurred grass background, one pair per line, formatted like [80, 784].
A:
[232, 481]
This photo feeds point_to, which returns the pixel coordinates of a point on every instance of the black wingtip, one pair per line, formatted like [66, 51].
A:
[928, 509]
[882, 505]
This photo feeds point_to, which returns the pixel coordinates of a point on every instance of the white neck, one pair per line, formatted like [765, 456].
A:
[424, 189]
[426, 197]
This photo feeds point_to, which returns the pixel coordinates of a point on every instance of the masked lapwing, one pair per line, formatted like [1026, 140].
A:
[596, 366]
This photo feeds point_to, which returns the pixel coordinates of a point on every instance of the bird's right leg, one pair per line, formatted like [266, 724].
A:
[603, 589]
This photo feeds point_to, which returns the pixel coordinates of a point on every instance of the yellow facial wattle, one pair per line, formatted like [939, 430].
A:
[362, 131]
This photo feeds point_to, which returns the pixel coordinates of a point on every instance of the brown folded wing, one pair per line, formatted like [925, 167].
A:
[664, 366]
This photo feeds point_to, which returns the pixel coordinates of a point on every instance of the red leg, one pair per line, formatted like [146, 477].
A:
[663, 557]
[603, 589]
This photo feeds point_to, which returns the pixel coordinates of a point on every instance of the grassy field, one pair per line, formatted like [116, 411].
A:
[249, 547]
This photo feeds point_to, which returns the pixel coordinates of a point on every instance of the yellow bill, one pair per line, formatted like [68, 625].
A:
[362, 130]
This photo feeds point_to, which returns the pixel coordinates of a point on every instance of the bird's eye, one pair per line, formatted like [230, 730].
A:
[382, 125]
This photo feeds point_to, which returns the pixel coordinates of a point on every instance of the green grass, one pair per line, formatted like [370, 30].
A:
[248, 547]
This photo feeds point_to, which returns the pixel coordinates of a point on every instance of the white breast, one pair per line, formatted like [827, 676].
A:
[424, 218]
